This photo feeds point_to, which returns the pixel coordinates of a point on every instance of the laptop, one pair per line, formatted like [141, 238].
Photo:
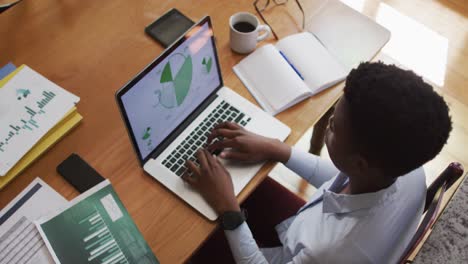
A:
[171, 106]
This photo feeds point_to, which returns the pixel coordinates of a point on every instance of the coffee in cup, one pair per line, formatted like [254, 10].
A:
[244, 32]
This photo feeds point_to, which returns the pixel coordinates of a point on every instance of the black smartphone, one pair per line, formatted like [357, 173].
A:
[79, 173]
[169, 27]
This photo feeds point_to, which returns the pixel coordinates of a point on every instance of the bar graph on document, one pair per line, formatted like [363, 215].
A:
[28, 121]
[100, 243]
[95, 228]
[30, 105]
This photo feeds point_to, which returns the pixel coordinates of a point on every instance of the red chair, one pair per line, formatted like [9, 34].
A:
[434, 196]
[261, 219]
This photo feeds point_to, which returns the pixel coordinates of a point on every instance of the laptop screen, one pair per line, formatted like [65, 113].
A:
[170, 89]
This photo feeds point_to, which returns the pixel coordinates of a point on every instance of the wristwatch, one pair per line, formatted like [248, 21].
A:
[230, 220]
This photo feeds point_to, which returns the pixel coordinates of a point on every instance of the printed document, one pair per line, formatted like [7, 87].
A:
[30, 105]
[98, 229]
[20, 241]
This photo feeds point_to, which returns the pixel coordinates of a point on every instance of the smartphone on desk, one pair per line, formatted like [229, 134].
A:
[169, 27]
[79, 173]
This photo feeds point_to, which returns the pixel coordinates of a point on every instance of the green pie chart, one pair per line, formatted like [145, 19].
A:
[176, 78]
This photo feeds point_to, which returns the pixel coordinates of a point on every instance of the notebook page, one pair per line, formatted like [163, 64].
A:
[318, 67]
[270, 78]
[336, 24]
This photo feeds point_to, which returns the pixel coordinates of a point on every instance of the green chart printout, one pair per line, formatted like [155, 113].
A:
[95, 228]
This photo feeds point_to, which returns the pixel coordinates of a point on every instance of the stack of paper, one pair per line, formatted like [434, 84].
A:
[40, 227]
[34, 114]
[20, 241]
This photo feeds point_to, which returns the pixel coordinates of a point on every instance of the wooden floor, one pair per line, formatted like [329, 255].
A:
[430, 38]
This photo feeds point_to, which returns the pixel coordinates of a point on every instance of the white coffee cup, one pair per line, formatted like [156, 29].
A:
[244, 39]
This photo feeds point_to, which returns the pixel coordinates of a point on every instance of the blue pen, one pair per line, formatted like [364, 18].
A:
[290, 64]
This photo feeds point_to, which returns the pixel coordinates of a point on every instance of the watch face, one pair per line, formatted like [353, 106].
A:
[231, 220]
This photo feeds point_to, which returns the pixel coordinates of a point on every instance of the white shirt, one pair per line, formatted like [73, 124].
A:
[340, 228]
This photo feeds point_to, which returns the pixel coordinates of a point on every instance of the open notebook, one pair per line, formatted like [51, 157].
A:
[281, 75]
[338, 39]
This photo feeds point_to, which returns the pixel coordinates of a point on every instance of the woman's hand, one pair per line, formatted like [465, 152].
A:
[236, 143]
[213, 182]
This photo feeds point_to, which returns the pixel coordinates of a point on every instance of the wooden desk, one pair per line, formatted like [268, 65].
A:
[92, 48]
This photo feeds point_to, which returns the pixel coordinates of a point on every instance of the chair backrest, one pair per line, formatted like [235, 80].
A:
[434, 196]
[448, 177]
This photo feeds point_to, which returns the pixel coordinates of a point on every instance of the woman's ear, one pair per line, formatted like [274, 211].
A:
[358, 165]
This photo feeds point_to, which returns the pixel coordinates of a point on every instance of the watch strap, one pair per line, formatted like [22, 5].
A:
[230, 220]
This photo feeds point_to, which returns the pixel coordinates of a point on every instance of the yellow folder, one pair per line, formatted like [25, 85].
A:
[9, 76]
[71, 119]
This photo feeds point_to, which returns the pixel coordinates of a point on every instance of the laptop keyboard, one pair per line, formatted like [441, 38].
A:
[197, 138]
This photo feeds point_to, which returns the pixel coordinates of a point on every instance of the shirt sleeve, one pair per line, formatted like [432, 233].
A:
[310, 167]
[246, 251]
[243, 247]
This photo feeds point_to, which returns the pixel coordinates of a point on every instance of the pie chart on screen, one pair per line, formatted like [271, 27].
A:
[176, 78]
